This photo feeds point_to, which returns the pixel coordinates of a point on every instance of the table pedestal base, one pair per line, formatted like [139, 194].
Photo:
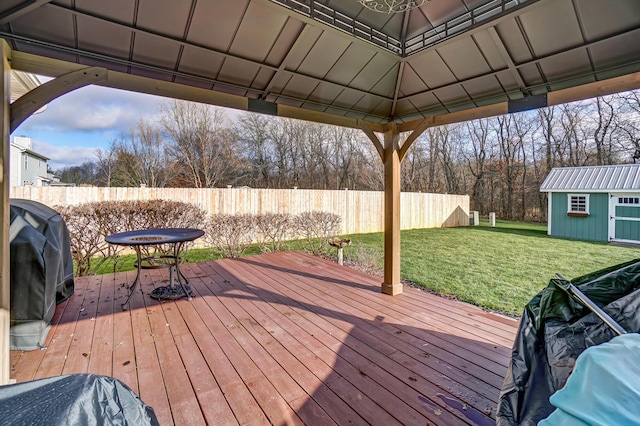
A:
[168, 292]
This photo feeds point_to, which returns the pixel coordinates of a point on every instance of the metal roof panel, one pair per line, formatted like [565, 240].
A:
[621, 177]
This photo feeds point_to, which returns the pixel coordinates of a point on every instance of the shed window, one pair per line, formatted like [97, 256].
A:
[579, 203]
[629, 200]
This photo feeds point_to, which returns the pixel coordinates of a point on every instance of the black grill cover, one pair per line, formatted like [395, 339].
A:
[76, 399]
[555, 330]
[41, 271]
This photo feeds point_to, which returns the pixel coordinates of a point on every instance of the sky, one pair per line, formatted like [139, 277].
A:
[75, 125]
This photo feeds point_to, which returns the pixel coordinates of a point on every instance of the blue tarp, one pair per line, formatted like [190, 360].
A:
[604, 388]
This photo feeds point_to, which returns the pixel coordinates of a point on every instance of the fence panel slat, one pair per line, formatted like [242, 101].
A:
[361, 211]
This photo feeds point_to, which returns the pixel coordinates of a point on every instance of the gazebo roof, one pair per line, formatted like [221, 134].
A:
[337, 58]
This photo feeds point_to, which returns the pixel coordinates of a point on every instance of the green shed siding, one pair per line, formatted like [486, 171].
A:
[627, 230]
[624, 211]
[595, 227]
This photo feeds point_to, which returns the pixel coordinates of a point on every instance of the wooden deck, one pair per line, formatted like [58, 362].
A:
[282, 338]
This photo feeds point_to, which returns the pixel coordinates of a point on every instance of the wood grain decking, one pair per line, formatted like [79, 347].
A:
[282, 338]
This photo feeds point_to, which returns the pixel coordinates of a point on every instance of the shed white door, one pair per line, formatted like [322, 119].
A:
[625, 218]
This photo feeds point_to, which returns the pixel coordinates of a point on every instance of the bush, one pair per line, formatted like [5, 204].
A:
[273, 230]
[316, 228]
[230, 234]
[90, 223]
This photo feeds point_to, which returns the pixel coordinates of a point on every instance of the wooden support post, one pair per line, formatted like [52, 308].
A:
[5, 289]
[392, 284]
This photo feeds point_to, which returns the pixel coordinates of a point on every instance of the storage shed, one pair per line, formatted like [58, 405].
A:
[596, 203]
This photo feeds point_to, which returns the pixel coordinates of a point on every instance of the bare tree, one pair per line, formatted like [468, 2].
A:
[201, 141]
[604, 118]
[253, 132]
[476, 156]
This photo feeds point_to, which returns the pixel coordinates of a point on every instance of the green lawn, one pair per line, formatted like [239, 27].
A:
[499, 268]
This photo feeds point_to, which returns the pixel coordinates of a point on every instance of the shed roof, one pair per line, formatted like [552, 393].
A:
[622, 177]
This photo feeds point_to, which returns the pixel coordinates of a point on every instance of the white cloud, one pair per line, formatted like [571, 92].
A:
[92, 109]
[64, 156]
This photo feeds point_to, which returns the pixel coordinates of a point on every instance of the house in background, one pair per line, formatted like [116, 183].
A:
[27, 167]
[596, 203]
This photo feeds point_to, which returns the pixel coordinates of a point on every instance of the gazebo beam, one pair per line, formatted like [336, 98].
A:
[35, 99]
[5, 289]
[392, 284]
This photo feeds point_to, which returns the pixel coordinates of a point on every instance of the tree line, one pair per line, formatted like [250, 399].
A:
[500, 162]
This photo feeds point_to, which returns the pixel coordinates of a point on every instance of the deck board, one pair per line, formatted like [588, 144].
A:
[281, 338]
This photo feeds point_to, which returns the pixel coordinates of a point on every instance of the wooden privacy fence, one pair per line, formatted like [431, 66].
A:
[361, 211]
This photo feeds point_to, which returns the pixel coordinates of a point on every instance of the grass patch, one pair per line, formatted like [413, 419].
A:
[499, 268]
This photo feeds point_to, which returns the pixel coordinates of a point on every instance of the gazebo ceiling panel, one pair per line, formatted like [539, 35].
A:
[464, 58]
[237, 72]
[337, 53]
[200, 62]
[155, 51]
[452, 95]
[257, 32]
[609, 53]
[422, 102]
[325, 93]
[323, 55]
[215, 23]
[299, 87]
[489, 50]
[483, 87]
[508, 81]
[564, 84]
[597, 15]
[347, 99]
[561, 30]
[431, 69]
[350, 64]
[531, 74]
[514, 41]
[555, 67]
[97, 36]
[290, 35]
[370, 75]
[299, 47]
[373, 106]
[117, 10]
[263, 78]
[438, 12]
[387, 84]
[411, 82]
[59, 28]
[168, 17]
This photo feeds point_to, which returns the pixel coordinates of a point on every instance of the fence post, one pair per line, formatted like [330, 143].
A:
[492, 219]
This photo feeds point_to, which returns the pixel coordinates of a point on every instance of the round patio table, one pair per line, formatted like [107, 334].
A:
[156, 236]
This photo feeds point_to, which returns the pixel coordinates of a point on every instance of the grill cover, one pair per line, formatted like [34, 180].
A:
[75, 399]
[41, 271]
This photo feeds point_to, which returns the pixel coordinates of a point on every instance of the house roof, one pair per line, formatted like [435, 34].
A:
[30, 152]
[335, 60]
[622, 177]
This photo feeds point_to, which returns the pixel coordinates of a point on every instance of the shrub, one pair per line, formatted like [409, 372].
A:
[316, 228]
[231, 234]
[90, 223]
[273, 229]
